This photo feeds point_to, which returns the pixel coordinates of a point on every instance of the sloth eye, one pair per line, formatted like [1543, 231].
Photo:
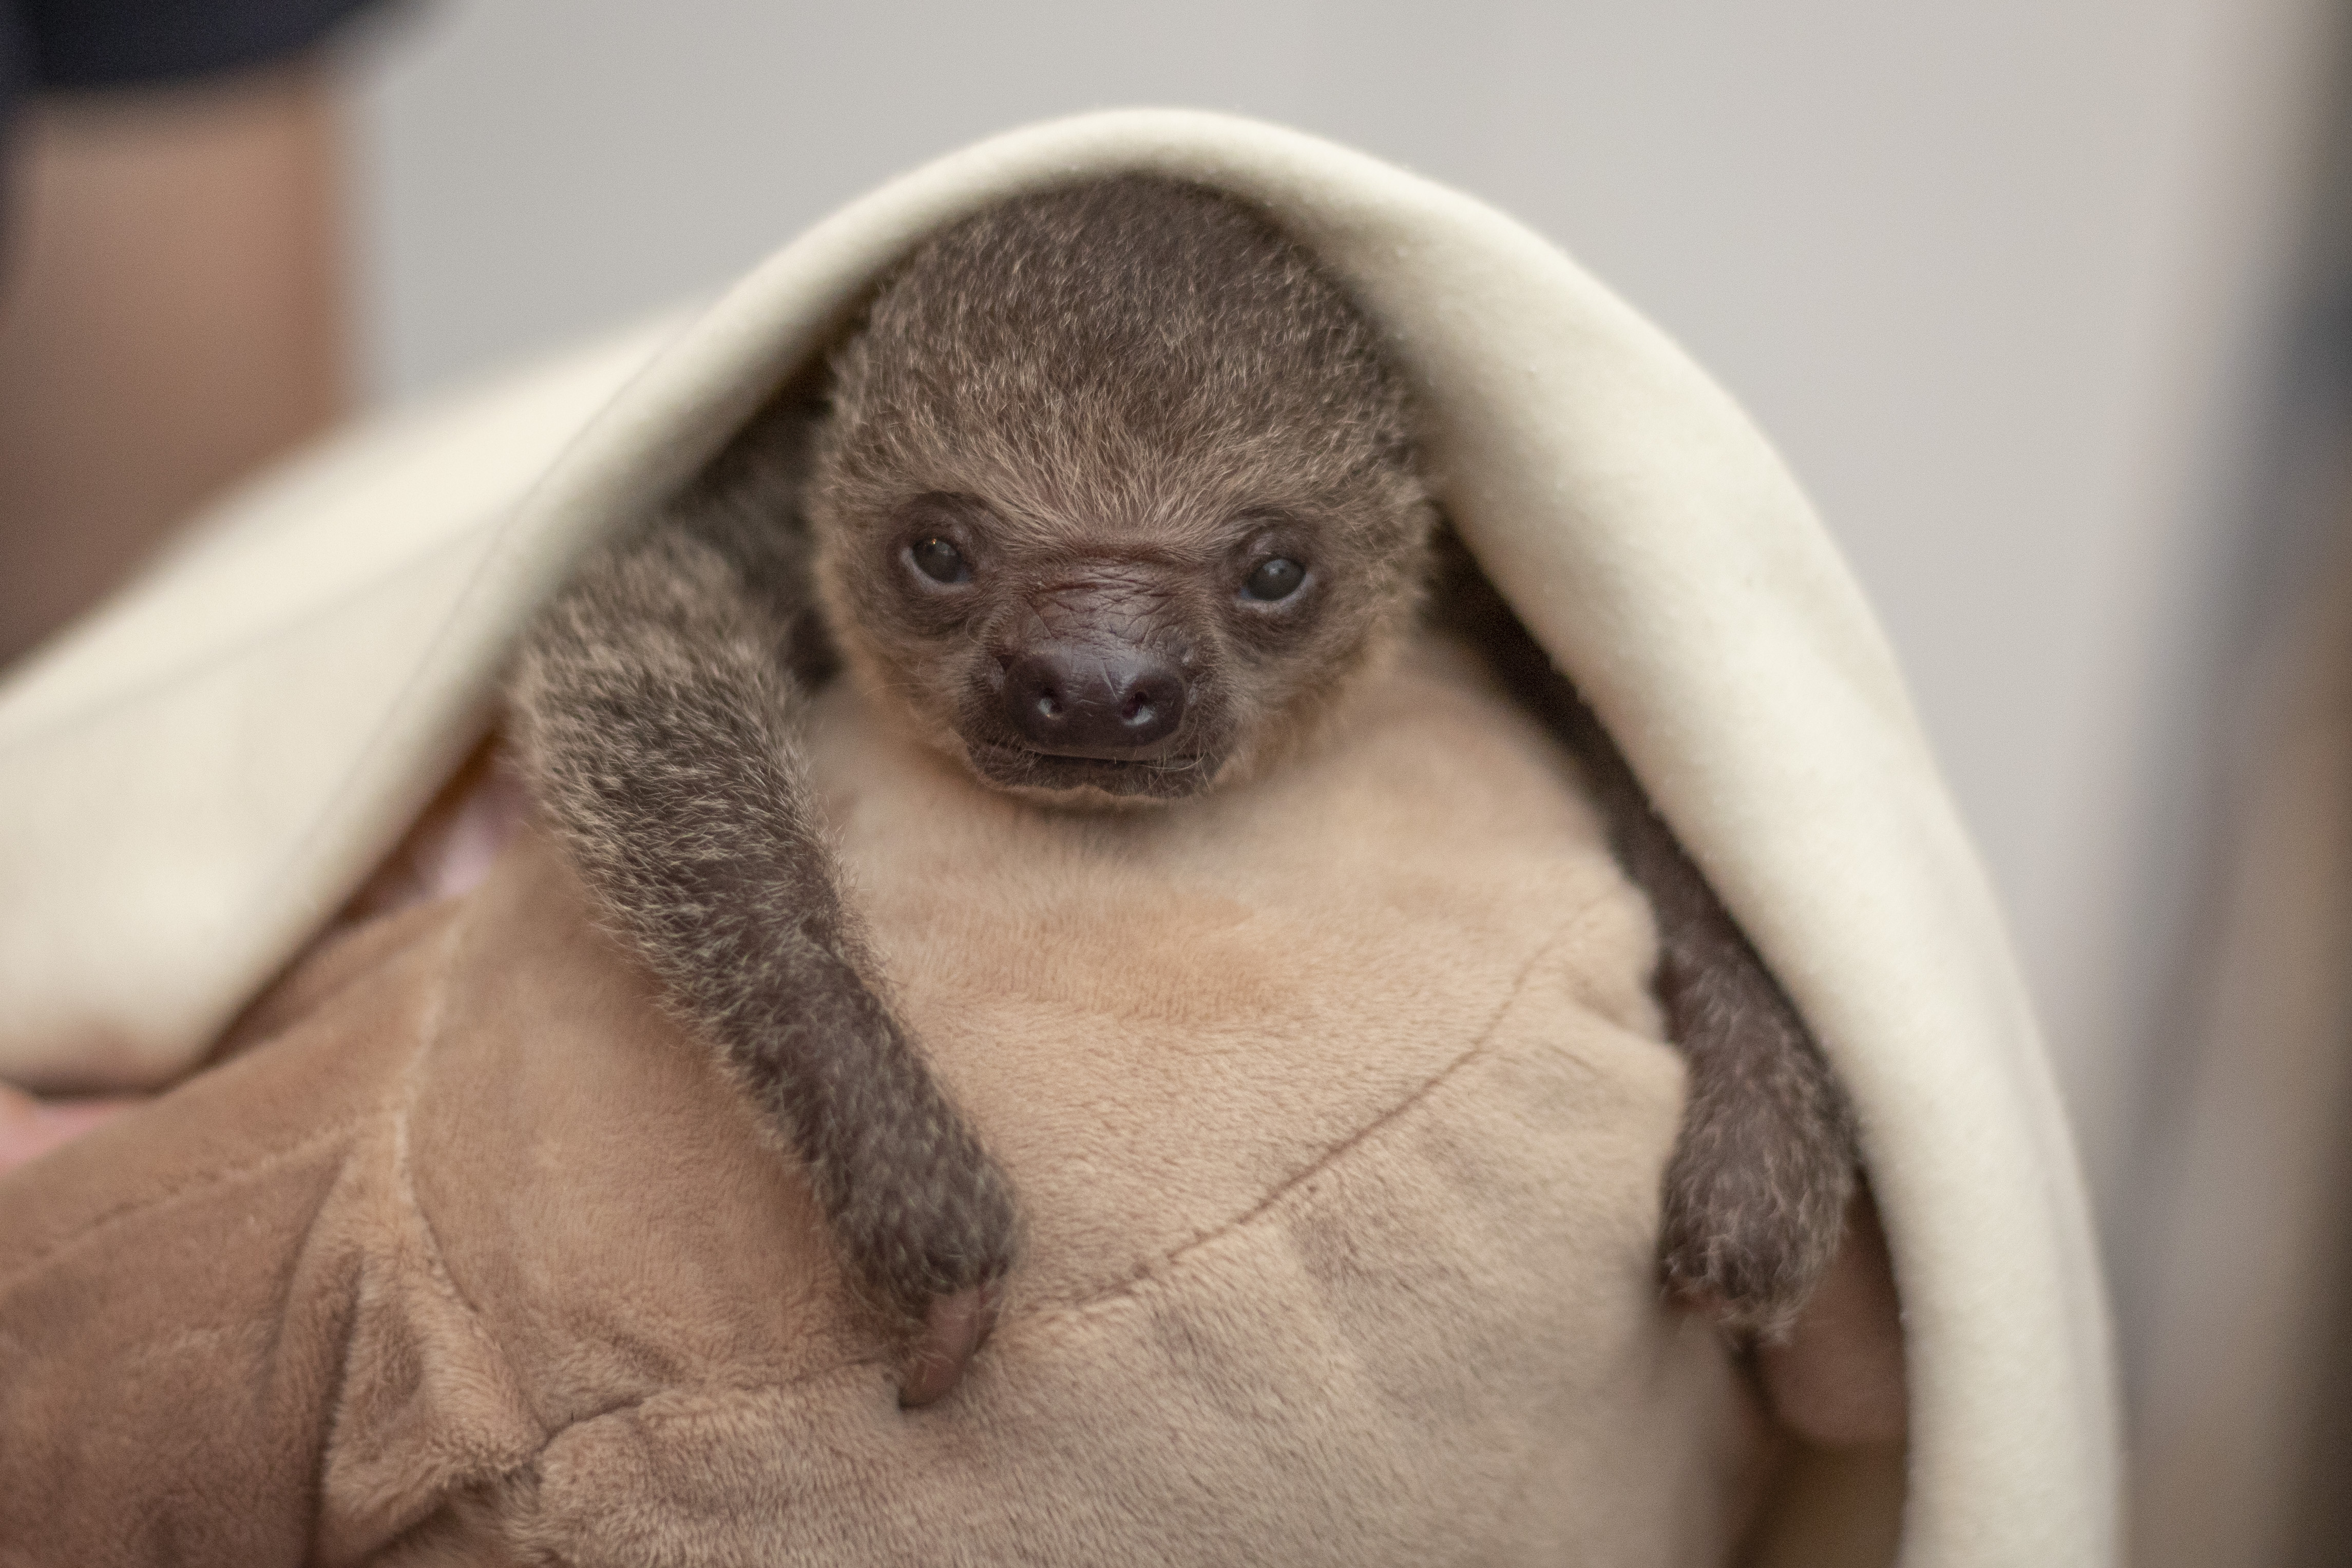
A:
[940, 561]
[1275, 579]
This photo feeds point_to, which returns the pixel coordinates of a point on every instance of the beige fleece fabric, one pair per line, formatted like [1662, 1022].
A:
[1336, 1104]
[190, 783]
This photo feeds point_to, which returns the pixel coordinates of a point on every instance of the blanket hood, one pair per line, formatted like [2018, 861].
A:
[194, 780]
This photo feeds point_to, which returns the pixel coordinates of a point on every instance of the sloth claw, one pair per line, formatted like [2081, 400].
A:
[953, 1329]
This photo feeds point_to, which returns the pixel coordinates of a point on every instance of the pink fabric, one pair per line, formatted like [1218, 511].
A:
[30, 1128]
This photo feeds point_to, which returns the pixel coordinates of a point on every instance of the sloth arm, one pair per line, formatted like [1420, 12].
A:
[1762, 1171]
[1758, 1187]
[658, 712]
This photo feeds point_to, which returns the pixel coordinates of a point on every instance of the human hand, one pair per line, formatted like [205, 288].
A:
[30, 1128]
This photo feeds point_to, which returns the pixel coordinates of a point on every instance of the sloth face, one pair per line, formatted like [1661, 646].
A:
[1117, 495]
[1142, 657]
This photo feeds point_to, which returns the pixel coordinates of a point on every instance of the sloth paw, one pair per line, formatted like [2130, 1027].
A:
[1754, 1204]
[1753, 1274]
[929, 1241]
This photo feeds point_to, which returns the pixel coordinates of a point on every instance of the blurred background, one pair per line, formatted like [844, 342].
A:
[2050, 305]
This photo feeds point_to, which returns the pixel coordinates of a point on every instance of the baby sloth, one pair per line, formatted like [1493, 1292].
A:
[1115, 498]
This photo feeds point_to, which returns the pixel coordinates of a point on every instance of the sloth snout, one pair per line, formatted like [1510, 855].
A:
[1110, 703]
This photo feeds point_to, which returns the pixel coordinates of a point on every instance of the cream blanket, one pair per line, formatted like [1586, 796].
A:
[195, 782]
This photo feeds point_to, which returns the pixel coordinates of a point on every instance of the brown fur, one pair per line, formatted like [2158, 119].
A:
[1123, 395]
[1114, 401]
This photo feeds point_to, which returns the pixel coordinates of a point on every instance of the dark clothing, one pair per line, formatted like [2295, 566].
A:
[70, 44]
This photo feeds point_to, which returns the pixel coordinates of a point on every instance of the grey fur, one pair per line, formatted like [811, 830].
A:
[1116, 397]
[1756, 1190]
[659, 708]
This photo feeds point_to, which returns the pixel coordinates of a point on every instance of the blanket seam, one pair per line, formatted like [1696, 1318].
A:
[404, 1170]
[1480, 1046]
[1065, 1312]
[132, 1208]
[429, 1034]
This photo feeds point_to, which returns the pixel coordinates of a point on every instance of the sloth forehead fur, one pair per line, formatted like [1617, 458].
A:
[1113, 403]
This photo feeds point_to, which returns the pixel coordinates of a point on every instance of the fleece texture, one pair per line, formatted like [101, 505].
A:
[1336, 1103]
[321, 656]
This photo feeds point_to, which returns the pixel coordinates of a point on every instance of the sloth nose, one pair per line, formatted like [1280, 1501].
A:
[1092, 702]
